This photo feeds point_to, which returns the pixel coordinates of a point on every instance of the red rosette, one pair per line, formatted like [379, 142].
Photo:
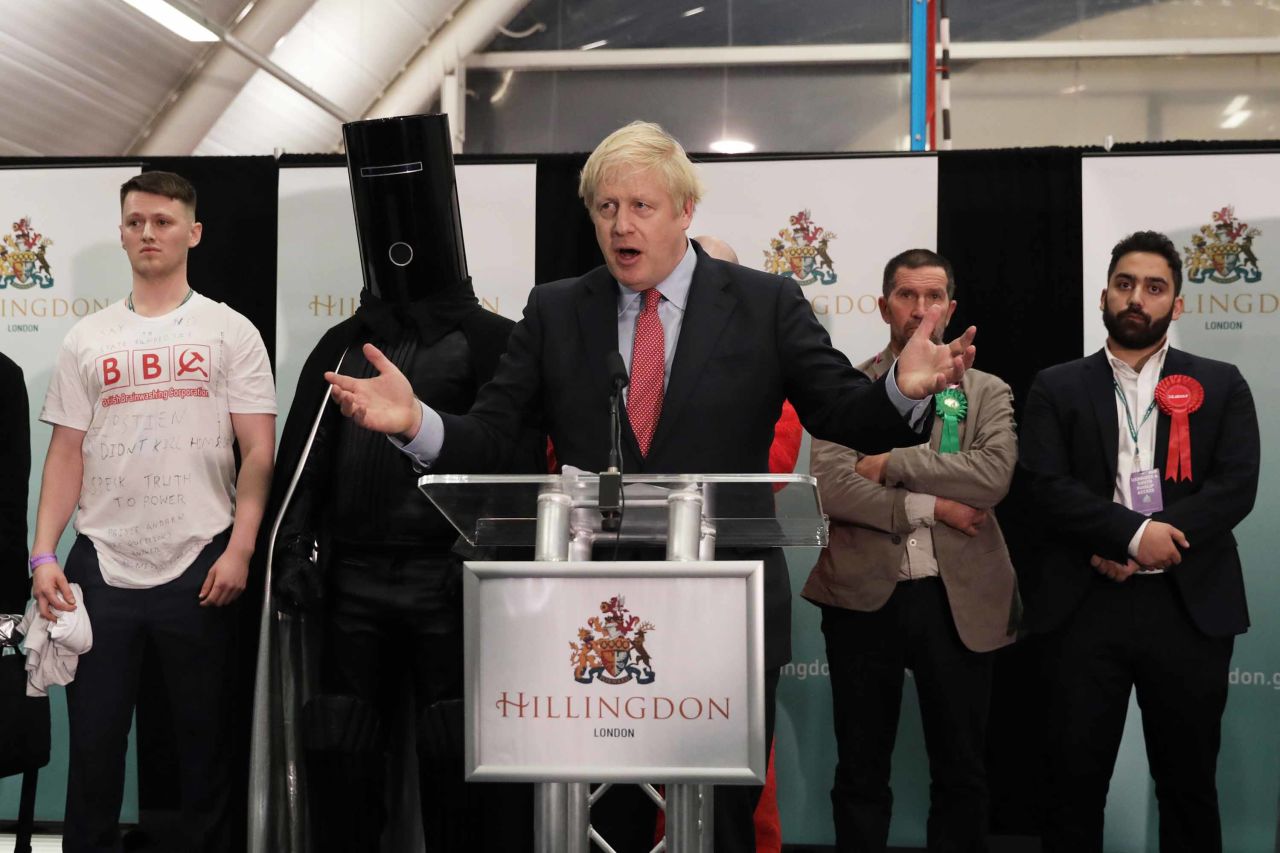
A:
[1178, 396]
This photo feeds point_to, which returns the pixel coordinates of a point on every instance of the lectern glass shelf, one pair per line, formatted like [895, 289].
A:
[744, 510]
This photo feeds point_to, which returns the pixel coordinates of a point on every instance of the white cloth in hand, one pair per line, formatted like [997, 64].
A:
[54, 648]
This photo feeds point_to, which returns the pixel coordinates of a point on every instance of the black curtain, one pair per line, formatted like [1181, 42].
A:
[565, 241]
[1010, 223]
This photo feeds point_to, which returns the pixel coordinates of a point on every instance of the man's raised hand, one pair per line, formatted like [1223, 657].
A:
[924, 367]
[383, 403]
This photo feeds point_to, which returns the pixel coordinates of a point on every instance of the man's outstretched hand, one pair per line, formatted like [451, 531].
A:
[925, 368]
[383, 403]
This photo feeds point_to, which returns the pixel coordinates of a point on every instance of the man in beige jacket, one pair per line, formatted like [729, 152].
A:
[917, 577]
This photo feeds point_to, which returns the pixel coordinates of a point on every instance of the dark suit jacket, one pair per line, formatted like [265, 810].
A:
[1069, 446]
[748, 341]
[15, 463]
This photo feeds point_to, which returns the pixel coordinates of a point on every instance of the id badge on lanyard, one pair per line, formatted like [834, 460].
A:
[1145, 494]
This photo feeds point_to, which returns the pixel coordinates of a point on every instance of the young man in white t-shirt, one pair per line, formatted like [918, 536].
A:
[146, 401]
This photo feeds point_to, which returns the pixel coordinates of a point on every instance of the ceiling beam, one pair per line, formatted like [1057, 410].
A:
[201, 99]
[473, 26]
[857, 54]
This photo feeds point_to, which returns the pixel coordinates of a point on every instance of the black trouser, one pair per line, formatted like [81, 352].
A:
[626, 818]
[393, 622]
[191, 644]
[867, 654]
[1135, 635]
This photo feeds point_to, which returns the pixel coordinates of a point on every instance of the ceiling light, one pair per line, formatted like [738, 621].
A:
[593, 45]
[732, 146]
[248, 7]
[696, 10]
[173, 20]
[1236, 105]
[1235, 119]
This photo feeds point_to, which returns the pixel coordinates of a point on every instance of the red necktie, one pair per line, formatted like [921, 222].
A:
[648, 367]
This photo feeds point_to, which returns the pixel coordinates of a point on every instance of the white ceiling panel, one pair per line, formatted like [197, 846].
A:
[82, 76]
[268, 116]
[345, 50]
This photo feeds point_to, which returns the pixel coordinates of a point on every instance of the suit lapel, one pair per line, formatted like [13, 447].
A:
[1100, 387]
[706, 311]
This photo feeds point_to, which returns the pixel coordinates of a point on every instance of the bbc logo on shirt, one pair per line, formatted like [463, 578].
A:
[155, 365]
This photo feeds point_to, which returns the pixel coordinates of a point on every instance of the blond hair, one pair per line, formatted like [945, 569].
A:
[640, 146]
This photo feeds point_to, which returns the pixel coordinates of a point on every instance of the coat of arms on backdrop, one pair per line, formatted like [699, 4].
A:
[800, 252]
[23, 264]
[611, 647]
[1223, 250]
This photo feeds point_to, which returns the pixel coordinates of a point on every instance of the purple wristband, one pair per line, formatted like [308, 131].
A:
[40, 560]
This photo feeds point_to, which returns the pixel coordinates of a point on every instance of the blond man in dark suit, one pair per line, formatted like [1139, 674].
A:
[917, 576]
[735, 343]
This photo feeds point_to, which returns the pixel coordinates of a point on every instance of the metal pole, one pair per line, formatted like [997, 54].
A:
[551, 539]
[689, 824]
[583, 522]
[920, 62]
[550, 799]
[684, 524]
[453, 102]
[578, 817]
[931, 79]
[944, 85]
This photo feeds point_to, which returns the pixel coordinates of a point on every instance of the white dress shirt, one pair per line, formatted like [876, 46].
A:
[1139, 390]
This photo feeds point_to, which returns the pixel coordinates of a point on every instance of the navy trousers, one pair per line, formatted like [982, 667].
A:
[192, 644]
[1137, 637]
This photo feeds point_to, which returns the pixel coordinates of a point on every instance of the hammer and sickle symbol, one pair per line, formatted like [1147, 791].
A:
[189, 363]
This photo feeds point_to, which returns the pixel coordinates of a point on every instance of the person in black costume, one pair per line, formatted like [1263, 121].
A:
[356, 546]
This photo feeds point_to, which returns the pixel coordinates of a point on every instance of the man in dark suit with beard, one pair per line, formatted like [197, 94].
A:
[1142, 458]
[712, 348]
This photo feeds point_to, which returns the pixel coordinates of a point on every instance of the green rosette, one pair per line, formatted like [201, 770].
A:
[951, 405]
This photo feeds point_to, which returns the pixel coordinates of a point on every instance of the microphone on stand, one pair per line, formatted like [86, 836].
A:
[610, 497]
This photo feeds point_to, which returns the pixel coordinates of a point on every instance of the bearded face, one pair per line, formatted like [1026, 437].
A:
[1140, 301]
[1134, 328]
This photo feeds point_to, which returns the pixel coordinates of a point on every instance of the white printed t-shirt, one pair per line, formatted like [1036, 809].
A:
[154, 396]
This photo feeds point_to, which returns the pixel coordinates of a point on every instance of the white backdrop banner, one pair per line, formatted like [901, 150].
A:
[1222, 211]
[318, 274]
[60, 260]
[830, 225]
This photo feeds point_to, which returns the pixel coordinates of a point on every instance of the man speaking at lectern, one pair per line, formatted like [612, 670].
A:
[712, 349]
